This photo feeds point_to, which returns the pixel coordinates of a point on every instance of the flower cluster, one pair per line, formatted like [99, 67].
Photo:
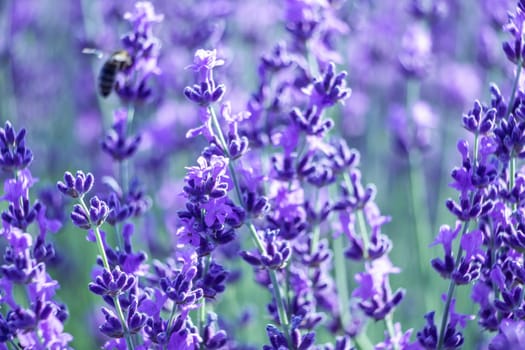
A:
[489, 217]
[230, 203]
[144, 49]
[35, 321]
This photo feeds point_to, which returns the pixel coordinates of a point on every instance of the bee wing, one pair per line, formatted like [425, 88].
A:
[92, 51]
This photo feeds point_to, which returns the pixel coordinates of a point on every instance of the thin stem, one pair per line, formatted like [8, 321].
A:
[341, 281]
[202, 309]
[363, 231]
[450, 293]
[218, 129]
[421, 218]
[123, 171]
[124, 164]
[312, 60]
[13, 344]
[512, 169]
[171, 318]
[514, 88]
[361, 340]
[361, 221]
[100, 245]
[224, 146]
[117, 230]
[389, 324]
[281, 307]
[120, 313]
[316, 230]
[105, 262]
[299, 154]
[418, 192]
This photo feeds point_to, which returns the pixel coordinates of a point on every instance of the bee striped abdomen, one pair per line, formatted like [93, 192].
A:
[106, 79]
[118, 61]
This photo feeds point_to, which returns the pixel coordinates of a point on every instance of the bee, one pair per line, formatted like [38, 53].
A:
[117, 62]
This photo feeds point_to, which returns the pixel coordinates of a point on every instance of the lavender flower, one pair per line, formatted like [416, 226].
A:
[144, 49]
[376, 298]
[117, 144]
[76, 186]
[36, 322]
[514, 49]
[13, 153]
[206, 91]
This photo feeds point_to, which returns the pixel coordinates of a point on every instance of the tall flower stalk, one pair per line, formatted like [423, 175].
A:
[488, 211]
[33, 318]
[205, 93]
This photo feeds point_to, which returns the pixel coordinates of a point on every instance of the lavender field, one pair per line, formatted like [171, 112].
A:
[262, 174]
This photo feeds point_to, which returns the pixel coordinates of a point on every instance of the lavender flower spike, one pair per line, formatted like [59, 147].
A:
[76, 186]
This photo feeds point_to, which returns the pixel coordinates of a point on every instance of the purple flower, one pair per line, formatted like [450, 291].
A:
[445, 237]
[377, 300]
[398, 340]
[144, 49]
[76, 186]
[204, 62]
[206, 91]
[428, 337]
[275, 255]
[13, 153]
[143, 16]
[514, 49]
[116, 143]
[112, 283]
[97, 214]
[511, 336]
[179, 288]
[416, 51]
[15, 188]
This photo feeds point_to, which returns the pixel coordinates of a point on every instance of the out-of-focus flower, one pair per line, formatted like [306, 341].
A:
[416, 51]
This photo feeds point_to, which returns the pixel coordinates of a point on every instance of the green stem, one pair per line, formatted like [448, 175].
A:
[123, 164]
[224, 146]
[509, 110]
[450, 293]
[421, 218]
[341, 281]
[279, 300]
[105, 262]
[13, 345]
[514, 88]
[202, 309]
[418, 196]
[389, 324]
[299, 154]
[123, 172]
[283, 317]
[361, 221]
[171, 318]
[312, 60]
[361, 341]
[117, 231]
[316, 230]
